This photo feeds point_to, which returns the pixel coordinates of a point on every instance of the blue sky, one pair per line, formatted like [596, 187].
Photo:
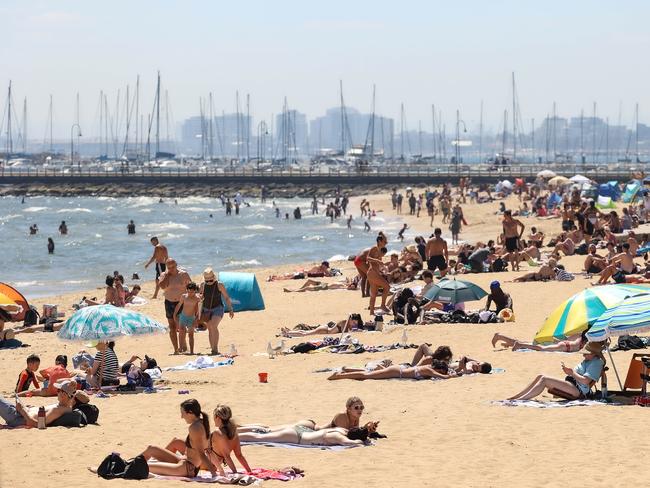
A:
[453, 54]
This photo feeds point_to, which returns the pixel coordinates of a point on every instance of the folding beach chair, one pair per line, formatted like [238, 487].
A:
[637, 373]
[594, 390]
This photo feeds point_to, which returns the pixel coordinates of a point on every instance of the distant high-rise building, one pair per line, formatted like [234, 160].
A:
[228, 137]
[325, 131]
[291, 133]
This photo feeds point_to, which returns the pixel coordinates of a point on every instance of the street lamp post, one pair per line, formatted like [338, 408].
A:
[72, 145]
[458, 122]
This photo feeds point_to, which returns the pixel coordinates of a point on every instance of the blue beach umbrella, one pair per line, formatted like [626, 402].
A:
[455, 291]
[103, 322]
[631, 316]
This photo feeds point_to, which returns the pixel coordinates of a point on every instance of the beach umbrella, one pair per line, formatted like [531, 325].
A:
[546, 173]
[104, 322]
[10, 296]
[580, 311]
[455, 291]
[580, 179]
[506, 184]
[559, 181]
[631, 316]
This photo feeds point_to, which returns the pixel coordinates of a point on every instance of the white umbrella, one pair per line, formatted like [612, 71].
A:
[506, 184]
[546, 173]
[580, 179]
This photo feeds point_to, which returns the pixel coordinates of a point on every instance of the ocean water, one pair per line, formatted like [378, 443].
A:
[97, 242]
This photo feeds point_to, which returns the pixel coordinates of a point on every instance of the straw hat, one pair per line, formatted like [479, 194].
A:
[208, 275]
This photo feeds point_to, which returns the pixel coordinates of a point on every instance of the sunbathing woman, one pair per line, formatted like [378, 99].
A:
[354, 321]
[578, 381]
[438, 369]
[314, 285]
[572, 344]
[306, 436]
[375, 277]
[185, 458]
[545, 273]
[224, 440]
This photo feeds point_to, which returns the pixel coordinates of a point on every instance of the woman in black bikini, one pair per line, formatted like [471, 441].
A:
[224, 440]
[185, 458]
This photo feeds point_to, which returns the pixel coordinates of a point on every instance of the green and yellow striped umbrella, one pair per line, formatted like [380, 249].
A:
[581, 310]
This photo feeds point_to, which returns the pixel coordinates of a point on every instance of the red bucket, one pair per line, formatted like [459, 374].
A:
[264, 377]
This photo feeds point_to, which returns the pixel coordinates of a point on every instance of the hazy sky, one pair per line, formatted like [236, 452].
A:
[453, 54]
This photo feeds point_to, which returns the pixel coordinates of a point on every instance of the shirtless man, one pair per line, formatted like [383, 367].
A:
[22, 415]
[173, 282]
[513, 229]
[436, 253]
[594, 263]
[536, 236]
[621, 265]
[160, 256]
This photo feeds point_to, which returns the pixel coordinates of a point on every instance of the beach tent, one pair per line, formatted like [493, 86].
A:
[605, 202]
[243, 290]
[553, 201]
[631, 191]
[609, 189]
[10, 296]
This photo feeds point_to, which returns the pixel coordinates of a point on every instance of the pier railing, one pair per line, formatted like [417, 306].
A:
[406, 172]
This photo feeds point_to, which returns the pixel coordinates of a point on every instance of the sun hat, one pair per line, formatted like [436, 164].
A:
[593, 348]
[151, 362]
[67, 386]
[208, 275]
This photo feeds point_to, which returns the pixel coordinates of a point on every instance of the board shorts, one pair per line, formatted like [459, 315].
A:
[160, 268]
[185, 321]
[169, 309]
[512, 243]
[437, 262]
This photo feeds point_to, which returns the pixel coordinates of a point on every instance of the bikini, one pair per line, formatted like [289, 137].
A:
[192, 470]
[300, 430]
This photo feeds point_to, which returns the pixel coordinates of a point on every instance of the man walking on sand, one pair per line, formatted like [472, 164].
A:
[437, 253]
[173, 283]
[513, 229]
[160, 256]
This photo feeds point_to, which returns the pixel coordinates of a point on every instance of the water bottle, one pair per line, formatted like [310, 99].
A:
[233, 350]
[41, 417]
[405, 338]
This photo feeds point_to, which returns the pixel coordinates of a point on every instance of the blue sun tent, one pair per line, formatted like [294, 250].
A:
[243, 290]
[631, 191]
[609, 189]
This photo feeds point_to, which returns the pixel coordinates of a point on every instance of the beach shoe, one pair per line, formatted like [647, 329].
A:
[101, 394]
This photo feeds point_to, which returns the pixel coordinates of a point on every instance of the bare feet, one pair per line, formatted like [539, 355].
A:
[386, 309]
[495, 339]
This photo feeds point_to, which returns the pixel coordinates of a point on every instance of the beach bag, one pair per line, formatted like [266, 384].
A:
[582, 249]
[111, 467]
[304, 347]
[91, 412]
[498, 265]
[32, 316]
[627, 342]
[136, 469]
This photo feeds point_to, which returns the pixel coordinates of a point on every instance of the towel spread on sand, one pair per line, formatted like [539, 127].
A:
[255, 477]
[552, 404]
[288, 445]
[202, 362]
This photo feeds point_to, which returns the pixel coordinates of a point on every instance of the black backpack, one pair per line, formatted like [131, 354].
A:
[91, 412]
[113, 466]
[32, 316]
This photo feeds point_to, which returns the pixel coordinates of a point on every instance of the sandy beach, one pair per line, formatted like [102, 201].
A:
[440, 433]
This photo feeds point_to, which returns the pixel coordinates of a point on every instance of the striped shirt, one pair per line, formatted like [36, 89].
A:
[109, 367]
[562, 275]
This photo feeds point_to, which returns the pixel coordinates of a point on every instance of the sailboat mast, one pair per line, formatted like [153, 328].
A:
[607, 140]
[157, 117]
[401, 137]
[433, 130]
[554, 131]
[51, 124]
[10, 144]
[342, 119]
[582, 136]
[636, 131]
[25, 125]
[137, 118]
[593, 135]
[372, 125]
[248, 127]
[514, 120]
[532, 133]
[211, 136]
[238, 128]
[480, 135]
[128, 123]
[505, 131]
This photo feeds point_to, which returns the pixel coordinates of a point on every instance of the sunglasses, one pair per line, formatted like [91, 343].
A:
[359, 407]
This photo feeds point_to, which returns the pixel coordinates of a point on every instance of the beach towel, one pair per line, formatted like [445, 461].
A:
[11, 344]
[550, 404]
[202, 362]
[255, 477]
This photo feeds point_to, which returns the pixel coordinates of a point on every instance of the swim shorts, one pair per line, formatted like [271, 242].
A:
[437, 262]
[169, 309]
[160, 268]
[185, 321]
[512, 243]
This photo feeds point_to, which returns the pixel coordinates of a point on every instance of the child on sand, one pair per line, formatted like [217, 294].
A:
[187, 315]
[28, 375]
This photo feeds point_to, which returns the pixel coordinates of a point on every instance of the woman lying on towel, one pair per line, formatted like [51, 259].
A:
[185, 457]
[572, 344]
[315, 285]
[437, 369]
[354, 321]
[224, 441]
[305, 435]
[576, 385]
